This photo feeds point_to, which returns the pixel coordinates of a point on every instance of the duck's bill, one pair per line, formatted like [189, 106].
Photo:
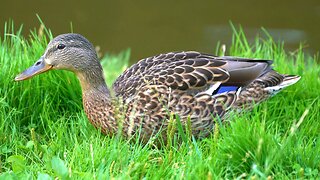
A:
[39, 67]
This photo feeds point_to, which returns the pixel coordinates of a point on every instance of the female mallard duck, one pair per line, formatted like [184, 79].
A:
[193, 85]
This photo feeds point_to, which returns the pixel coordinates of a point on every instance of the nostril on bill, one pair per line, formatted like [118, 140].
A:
[37, 63]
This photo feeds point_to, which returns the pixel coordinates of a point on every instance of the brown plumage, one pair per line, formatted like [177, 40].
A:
[195, 86]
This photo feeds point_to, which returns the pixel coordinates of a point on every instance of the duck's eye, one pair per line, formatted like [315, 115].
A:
[61, 46]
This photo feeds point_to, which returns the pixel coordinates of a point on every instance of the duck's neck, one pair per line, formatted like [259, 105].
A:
[97, 100]
[93, 84]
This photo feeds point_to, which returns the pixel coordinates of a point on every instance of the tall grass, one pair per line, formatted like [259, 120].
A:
[45, 134]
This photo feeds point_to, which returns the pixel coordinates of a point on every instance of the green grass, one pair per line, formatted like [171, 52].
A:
[45, 134]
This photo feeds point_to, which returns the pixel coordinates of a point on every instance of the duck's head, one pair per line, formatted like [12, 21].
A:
[71, 52]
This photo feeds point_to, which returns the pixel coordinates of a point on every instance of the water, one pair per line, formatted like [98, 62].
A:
[151, 27]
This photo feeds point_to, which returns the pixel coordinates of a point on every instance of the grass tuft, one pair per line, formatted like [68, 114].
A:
[45, 134]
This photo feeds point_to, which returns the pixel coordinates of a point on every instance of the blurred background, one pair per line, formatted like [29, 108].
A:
[150, 27]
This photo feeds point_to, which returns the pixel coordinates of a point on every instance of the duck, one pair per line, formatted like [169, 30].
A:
[199, 88]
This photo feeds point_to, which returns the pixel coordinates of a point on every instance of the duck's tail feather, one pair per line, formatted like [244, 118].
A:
[288, 80]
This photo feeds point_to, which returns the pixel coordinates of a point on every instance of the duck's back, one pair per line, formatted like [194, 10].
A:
[190, 71]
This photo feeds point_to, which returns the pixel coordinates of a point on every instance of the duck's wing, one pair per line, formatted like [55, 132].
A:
[189, 71]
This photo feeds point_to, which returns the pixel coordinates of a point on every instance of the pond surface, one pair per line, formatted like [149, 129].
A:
[151, 27]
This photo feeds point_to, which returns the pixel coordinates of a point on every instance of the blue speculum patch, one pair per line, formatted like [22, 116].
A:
[223, 89]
